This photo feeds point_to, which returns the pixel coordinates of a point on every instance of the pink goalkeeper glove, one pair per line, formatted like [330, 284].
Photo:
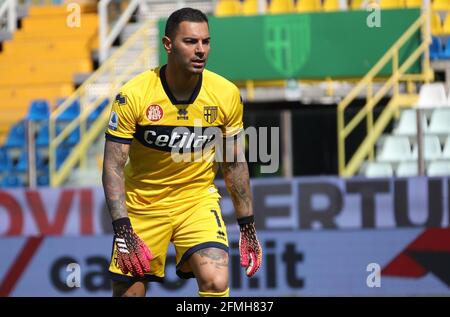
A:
[249, 247]
[132, 254]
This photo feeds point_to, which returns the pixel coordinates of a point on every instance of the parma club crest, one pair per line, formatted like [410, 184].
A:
[210, 113]
[287, 42]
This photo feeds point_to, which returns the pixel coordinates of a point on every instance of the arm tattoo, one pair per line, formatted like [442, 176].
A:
[214, 256]
[115, 157]
[237, 181]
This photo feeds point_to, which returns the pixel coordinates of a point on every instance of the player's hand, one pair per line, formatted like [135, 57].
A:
[133, 255]
[249, 247]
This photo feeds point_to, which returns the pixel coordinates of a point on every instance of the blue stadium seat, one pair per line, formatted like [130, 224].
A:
[17, 135]
[22, 164]
[39, 110]
[6, 164]
[435, 48]
[73, 138]
[43, 180]
[11, 181]
[446, 53]
[61, 155]
[72, 112]
[42, 138]
[41, 162]
[96, 113]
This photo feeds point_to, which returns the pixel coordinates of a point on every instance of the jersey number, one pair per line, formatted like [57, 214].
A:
[217, 217]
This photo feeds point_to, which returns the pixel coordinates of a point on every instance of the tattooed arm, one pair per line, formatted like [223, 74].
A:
[133, 255]
[235, 174]
[115, 157]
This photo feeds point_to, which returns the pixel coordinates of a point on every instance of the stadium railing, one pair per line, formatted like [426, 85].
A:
[90, 104]
[399, 74]
[106, 38]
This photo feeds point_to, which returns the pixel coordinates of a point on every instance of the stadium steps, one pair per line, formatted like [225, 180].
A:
[42, 58]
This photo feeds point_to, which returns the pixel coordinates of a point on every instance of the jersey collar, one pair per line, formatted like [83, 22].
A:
[175, 101]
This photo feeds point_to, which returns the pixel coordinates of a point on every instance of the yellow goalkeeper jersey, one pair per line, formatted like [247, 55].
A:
[171, 158]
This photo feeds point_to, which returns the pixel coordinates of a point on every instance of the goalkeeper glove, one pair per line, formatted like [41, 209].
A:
[132, 254]
[249, 247]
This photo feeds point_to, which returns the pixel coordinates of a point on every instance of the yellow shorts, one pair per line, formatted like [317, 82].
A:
[191, 227]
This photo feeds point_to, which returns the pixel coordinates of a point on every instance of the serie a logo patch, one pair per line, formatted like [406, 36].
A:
[113, 121]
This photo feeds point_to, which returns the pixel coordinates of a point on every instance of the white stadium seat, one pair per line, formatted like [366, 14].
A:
[440, 121]
[446, 152]
[432, 95]
[431, 148]
[439, 168]
[377, 169]
[407, 124]
[395, 149]
[407, 169]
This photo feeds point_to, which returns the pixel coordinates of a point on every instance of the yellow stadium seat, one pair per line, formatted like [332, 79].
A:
[281, 6]
[51, 77]
[413, 3]
[78, 34]
[42, 73]
[446, 27]
[88, 21]
[392, 4]
[37, 59]
[58, 28]
[46, 50]
[36, 91]
[308, 6]
[66, 65]
[227, 8]
[58, 10]
[356, 4]
[250, 7]
[13, 47]
[443, 5]
[331, 5]
[436, 25]
[45, 56]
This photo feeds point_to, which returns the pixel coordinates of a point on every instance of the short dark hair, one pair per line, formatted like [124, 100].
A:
[184, 14]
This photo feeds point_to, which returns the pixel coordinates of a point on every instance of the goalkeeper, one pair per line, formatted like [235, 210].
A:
[155, 198]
